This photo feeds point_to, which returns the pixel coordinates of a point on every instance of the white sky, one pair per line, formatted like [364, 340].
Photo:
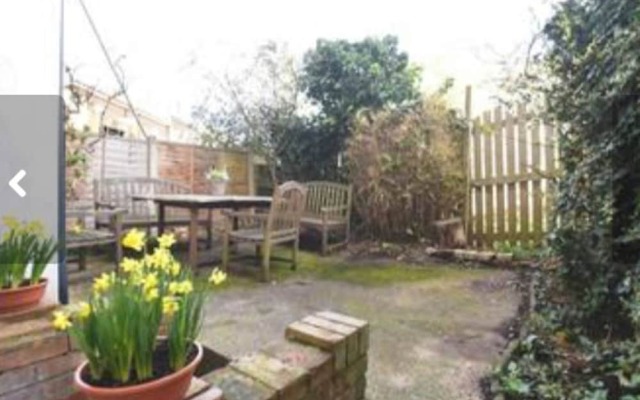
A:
[170, 44]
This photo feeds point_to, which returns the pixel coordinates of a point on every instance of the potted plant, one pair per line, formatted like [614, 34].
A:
[218, 179]
[139, 327]
[24, 255]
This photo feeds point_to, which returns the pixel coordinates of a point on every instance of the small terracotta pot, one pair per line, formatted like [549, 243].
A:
[21, 298]
[170, 387]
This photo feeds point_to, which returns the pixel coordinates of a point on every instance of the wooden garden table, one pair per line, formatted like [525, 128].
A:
[194, 203]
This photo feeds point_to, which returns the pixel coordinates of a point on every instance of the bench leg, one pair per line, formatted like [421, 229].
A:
[209, 229]
[325, 240]
[266, 255]
[225, 252]
[295, 251]
[82, 259]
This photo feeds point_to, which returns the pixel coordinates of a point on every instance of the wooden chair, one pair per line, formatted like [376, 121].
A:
[328, 209]
[86, 237]
[280, 225]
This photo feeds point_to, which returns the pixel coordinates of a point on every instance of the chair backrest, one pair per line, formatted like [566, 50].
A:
[286, 210]
[335, 196]
[118, 192]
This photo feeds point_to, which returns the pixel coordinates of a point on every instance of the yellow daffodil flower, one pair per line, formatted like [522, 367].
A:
[161, 259]
[166, 241]
[103, 283]
[150, 281]
[180, 288]
[134, 239]
[217, 276]
[174, 268]
[151, 294]
[130, 265]
[170, 306]
[77, 228]
[84, 310]
[61, 321]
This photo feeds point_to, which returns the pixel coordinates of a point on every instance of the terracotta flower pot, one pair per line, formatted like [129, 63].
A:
[21, 298]
[170, 387]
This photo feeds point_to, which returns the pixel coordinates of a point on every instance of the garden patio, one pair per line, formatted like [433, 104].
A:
[436, 328]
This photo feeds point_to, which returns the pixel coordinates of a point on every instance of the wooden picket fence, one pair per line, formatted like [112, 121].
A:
[512, 165]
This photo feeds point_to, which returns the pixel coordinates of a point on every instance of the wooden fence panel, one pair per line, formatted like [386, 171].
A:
[512, 159]
[477, 190]
[500, 176]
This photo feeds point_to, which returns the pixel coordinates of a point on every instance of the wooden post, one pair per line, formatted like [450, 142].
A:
[251, 183]
[500, 205]
[467, 171]
[523, 172]
[488, 176]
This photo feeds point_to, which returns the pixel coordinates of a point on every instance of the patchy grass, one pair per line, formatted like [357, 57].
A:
[312, 266]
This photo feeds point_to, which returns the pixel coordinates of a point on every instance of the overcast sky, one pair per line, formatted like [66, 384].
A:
[169, 45]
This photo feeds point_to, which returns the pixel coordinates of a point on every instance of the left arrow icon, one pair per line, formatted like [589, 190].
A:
[15, 183]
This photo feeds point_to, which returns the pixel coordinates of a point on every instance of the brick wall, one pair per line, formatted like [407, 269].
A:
[321, 357]
[36, 363]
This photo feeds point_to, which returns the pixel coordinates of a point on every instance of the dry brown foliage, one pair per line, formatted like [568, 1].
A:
[407, 168]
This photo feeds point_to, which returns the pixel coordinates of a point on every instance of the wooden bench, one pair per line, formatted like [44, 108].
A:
[82, 237]
[328, 209]
[114, 193]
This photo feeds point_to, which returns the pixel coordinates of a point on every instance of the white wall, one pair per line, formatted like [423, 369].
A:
[30, 63]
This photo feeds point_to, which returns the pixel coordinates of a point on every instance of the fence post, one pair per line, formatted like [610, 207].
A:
[467, 200]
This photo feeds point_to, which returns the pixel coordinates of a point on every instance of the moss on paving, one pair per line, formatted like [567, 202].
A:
[313, 266]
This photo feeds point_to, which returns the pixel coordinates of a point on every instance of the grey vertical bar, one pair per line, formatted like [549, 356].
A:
[63, 289]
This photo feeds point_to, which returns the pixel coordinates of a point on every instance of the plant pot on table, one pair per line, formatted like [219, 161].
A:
[218, 188]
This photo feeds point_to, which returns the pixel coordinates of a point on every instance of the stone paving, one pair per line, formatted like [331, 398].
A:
[433, 338]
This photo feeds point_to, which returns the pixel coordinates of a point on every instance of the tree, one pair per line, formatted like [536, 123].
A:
[343, 77]
[255, 107]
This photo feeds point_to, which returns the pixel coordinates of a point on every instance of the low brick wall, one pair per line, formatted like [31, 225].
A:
[35, 361]
[321, 357]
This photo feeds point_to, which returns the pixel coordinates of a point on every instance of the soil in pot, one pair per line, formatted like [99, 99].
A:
[161, 369]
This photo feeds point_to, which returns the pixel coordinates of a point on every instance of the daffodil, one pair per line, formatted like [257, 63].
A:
[84, 310]
[161, 259]
[151, 294]
[76, 228]
[150, 281]
[61, 321]
[134, 239]
[130, 265]
[166, 241]
[170, 306]
[174, 268]
[180, 288]
[217, 276]
[103, 283]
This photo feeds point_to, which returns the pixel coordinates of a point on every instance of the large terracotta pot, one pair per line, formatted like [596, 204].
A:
[21, 298]
[170, 387]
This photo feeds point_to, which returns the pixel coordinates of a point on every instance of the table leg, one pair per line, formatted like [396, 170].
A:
[209, 228]
[161, 219]
[236, 226]
[193, 237]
